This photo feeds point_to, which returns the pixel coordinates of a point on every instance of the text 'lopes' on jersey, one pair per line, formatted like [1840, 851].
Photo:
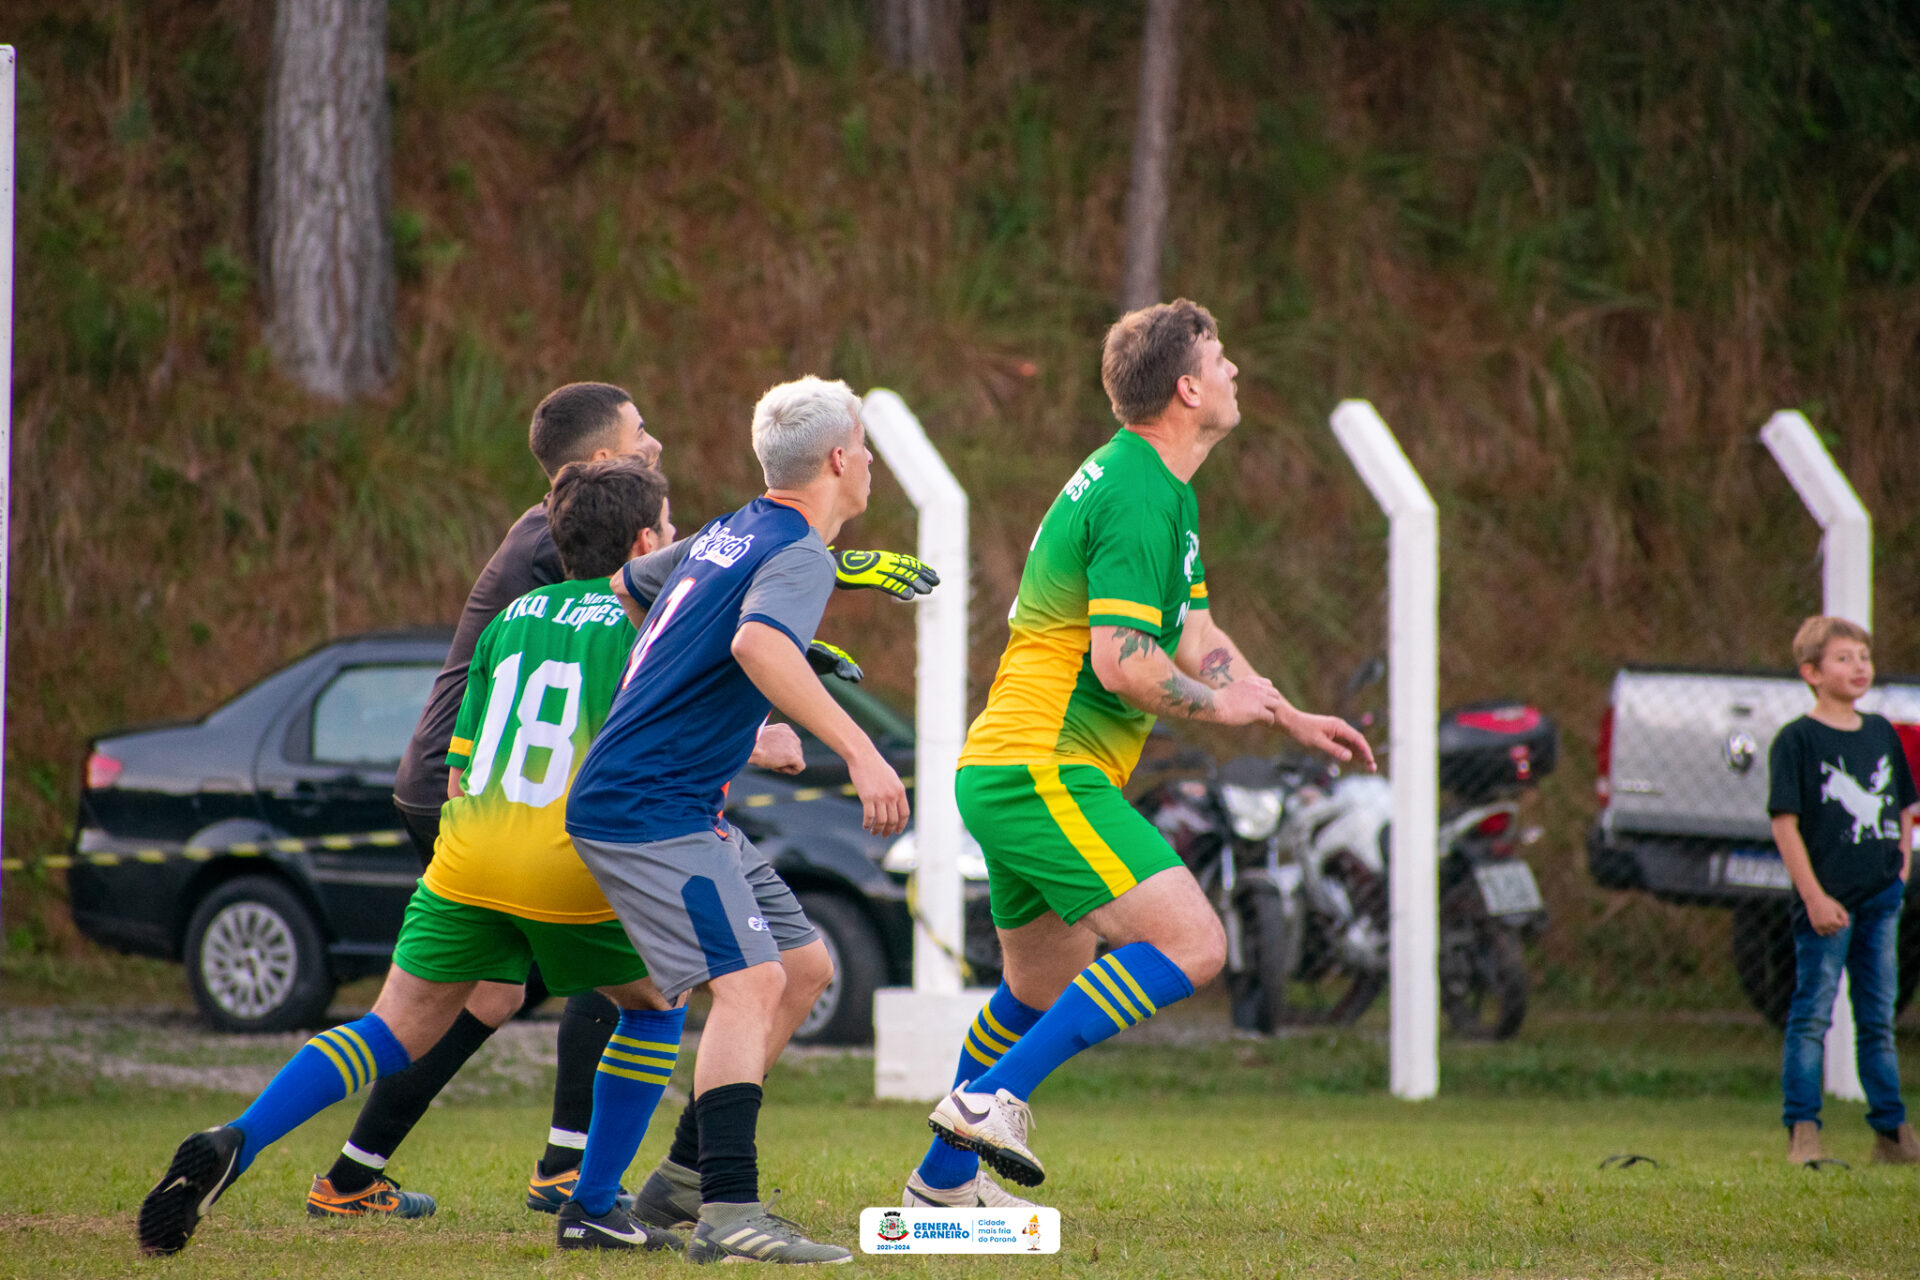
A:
[539, 688]
[684, 721]
[1120, 547]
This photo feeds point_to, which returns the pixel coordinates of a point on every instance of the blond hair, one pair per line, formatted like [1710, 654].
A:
[797, 426]
[1811, 640]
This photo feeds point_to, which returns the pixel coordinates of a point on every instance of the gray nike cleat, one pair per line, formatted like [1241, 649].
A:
[981, 1192]
[753, 1233]
[992, 1125]
[575, 1228]
[669, 1198]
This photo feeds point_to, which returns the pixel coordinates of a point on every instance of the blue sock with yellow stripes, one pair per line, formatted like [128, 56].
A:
[1003, 1021]
[633, 1074]
[1113, 993]
[334, 1064]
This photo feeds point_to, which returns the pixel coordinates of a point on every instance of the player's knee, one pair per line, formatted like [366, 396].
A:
[809, 970]
[495, 1002]
[1202, 952]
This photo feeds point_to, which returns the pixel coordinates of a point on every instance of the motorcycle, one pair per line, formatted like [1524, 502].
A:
[1293, 855]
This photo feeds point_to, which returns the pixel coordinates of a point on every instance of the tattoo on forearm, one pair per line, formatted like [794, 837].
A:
[1217, 667]
[1183, 697]
[1134, 642]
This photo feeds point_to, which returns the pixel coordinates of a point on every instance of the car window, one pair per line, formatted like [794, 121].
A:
[366, 714]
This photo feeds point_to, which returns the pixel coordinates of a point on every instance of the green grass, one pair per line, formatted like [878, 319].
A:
[1233, 1158]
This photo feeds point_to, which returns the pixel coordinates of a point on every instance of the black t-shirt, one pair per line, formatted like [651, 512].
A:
[526, 559]
[1848, 788]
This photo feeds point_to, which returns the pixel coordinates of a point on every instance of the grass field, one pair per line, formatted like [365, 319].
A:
[1201, 1157]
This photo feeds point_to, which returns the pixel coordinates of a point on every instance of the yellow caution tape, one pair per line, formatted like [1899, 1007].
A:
[337, 843]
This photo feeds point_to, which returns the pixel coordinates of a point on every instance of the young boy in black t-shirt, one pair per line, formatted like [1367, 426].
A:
[1843, 806]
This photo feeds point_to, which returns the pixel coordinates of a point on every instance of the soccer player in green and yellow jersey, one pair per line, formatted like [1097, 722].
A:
[1111, 628]
[505, 888]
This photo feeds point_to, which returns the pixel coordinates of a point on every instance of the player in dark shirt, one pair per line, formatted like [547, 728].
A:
[582, 421]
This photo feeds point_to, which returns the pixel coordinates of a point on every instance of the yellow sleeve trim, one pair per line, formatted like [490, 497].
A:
[464, 746]
[1198, 591]
[1124, 608]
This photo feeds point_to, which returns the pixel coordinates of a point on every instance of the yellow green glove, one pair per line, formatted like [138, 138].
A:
[899, 575]
[831, 660]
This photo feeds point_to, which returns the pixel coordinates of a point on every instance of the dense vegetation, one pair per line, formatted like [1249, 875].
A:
[1576, 254]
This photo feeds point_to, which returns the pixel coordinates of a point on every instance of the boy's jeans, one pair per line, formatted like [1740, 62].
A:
[1867, 947]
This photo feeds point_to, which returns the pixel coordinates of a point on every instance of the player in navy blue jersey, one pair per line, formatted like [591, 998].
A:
[728, 615]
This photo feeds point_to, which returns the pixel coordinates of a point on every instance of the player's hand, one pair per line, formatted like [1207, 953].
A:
[1329, 734]
[778, 748]
[894, 572]
[1826, 916]
[831, 660]
[1250, 701]
[883, 797]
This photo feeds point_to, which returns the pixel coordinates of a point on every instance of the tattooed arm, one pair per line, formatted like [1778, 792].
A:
[1131, 664]
[1209, 655]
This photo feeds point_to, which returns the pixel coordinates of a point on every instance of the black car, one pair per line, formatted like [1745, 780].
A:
[260, 845]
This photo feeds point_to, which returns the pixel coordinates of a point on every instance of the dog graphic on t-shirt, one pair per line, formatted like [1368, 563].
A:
[1863, 804]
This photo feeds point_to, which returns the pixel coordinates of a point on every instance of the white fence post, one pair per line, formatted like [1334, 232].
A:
[1413, 679]
[917, 1030]
[8, 68]
[1846, 582]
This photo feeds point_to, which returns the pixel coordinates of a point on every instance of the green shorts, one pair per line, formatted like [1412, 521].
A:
[1058, 838]
[444, 941]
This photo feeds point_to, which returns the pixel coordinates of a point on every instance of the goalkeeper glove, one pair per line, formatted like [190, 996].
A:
[830, 660]
[899, 575]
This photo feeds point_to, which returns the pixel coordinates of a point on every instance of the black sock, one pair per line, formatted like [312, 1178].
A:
[685, 1150]
[729, 1162]
[399, 1100]
[585, 1026]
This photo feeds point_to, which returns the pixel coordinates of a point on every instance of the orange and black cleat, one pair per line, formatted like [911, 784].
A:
[384, 1199]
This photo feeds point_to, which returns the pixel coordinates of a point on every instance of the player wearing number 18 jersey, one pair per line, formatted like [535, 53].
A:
[505, 886]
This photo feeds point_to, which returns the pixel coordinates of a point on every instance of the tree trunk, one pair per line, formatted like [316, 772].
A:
[326, 246]
[1152, 140]
[921, 36]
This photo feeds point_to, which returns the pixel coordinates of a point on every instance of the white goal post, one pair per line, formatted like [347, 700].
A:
[1413, 760]
[918, 1029]
[8, 67]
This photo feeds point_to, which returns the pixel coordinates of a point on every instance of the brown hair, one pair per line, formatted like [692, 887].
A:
[1146, 354]
[572, 422]
[1810, 641]
[597, 510]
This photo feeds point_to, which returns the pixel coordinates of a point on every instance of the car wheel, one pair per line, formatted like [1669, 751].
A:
[844, 1012]
[254, 958]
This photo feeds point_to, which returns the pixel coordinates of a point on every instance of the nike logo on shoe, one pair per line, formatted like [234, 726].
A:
[633, 1235]
[219, 1184]
[967, 1113]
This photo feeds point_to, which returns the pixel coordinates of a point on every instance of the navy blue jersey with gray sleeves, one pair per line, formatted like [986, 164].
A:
[685, 718]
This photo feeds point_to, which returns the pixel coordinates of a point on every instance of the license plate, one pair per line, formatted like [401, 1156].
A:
[1756, 871]
[1508, 888]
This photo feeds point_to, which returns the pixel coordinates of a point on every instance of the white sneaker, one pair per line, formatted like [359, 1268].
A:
[982, 1193]
[994, 1126]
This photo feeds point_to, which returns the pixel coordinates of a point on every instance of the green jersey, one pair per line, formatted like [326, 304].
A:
[542, 681]
[1120, 547]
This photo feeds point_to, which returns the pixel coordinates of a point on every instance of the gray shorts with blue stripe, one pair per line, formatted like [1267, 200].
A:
[698, 906]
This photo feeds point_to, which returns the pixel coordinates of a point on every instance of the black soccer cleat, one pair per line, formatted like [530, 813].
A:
[202, 1169]
[575, 1228]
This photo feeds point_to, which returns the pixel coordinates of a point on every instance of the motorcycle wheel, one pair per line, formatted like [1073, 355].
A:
[1256, 994]
[1483, 982]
